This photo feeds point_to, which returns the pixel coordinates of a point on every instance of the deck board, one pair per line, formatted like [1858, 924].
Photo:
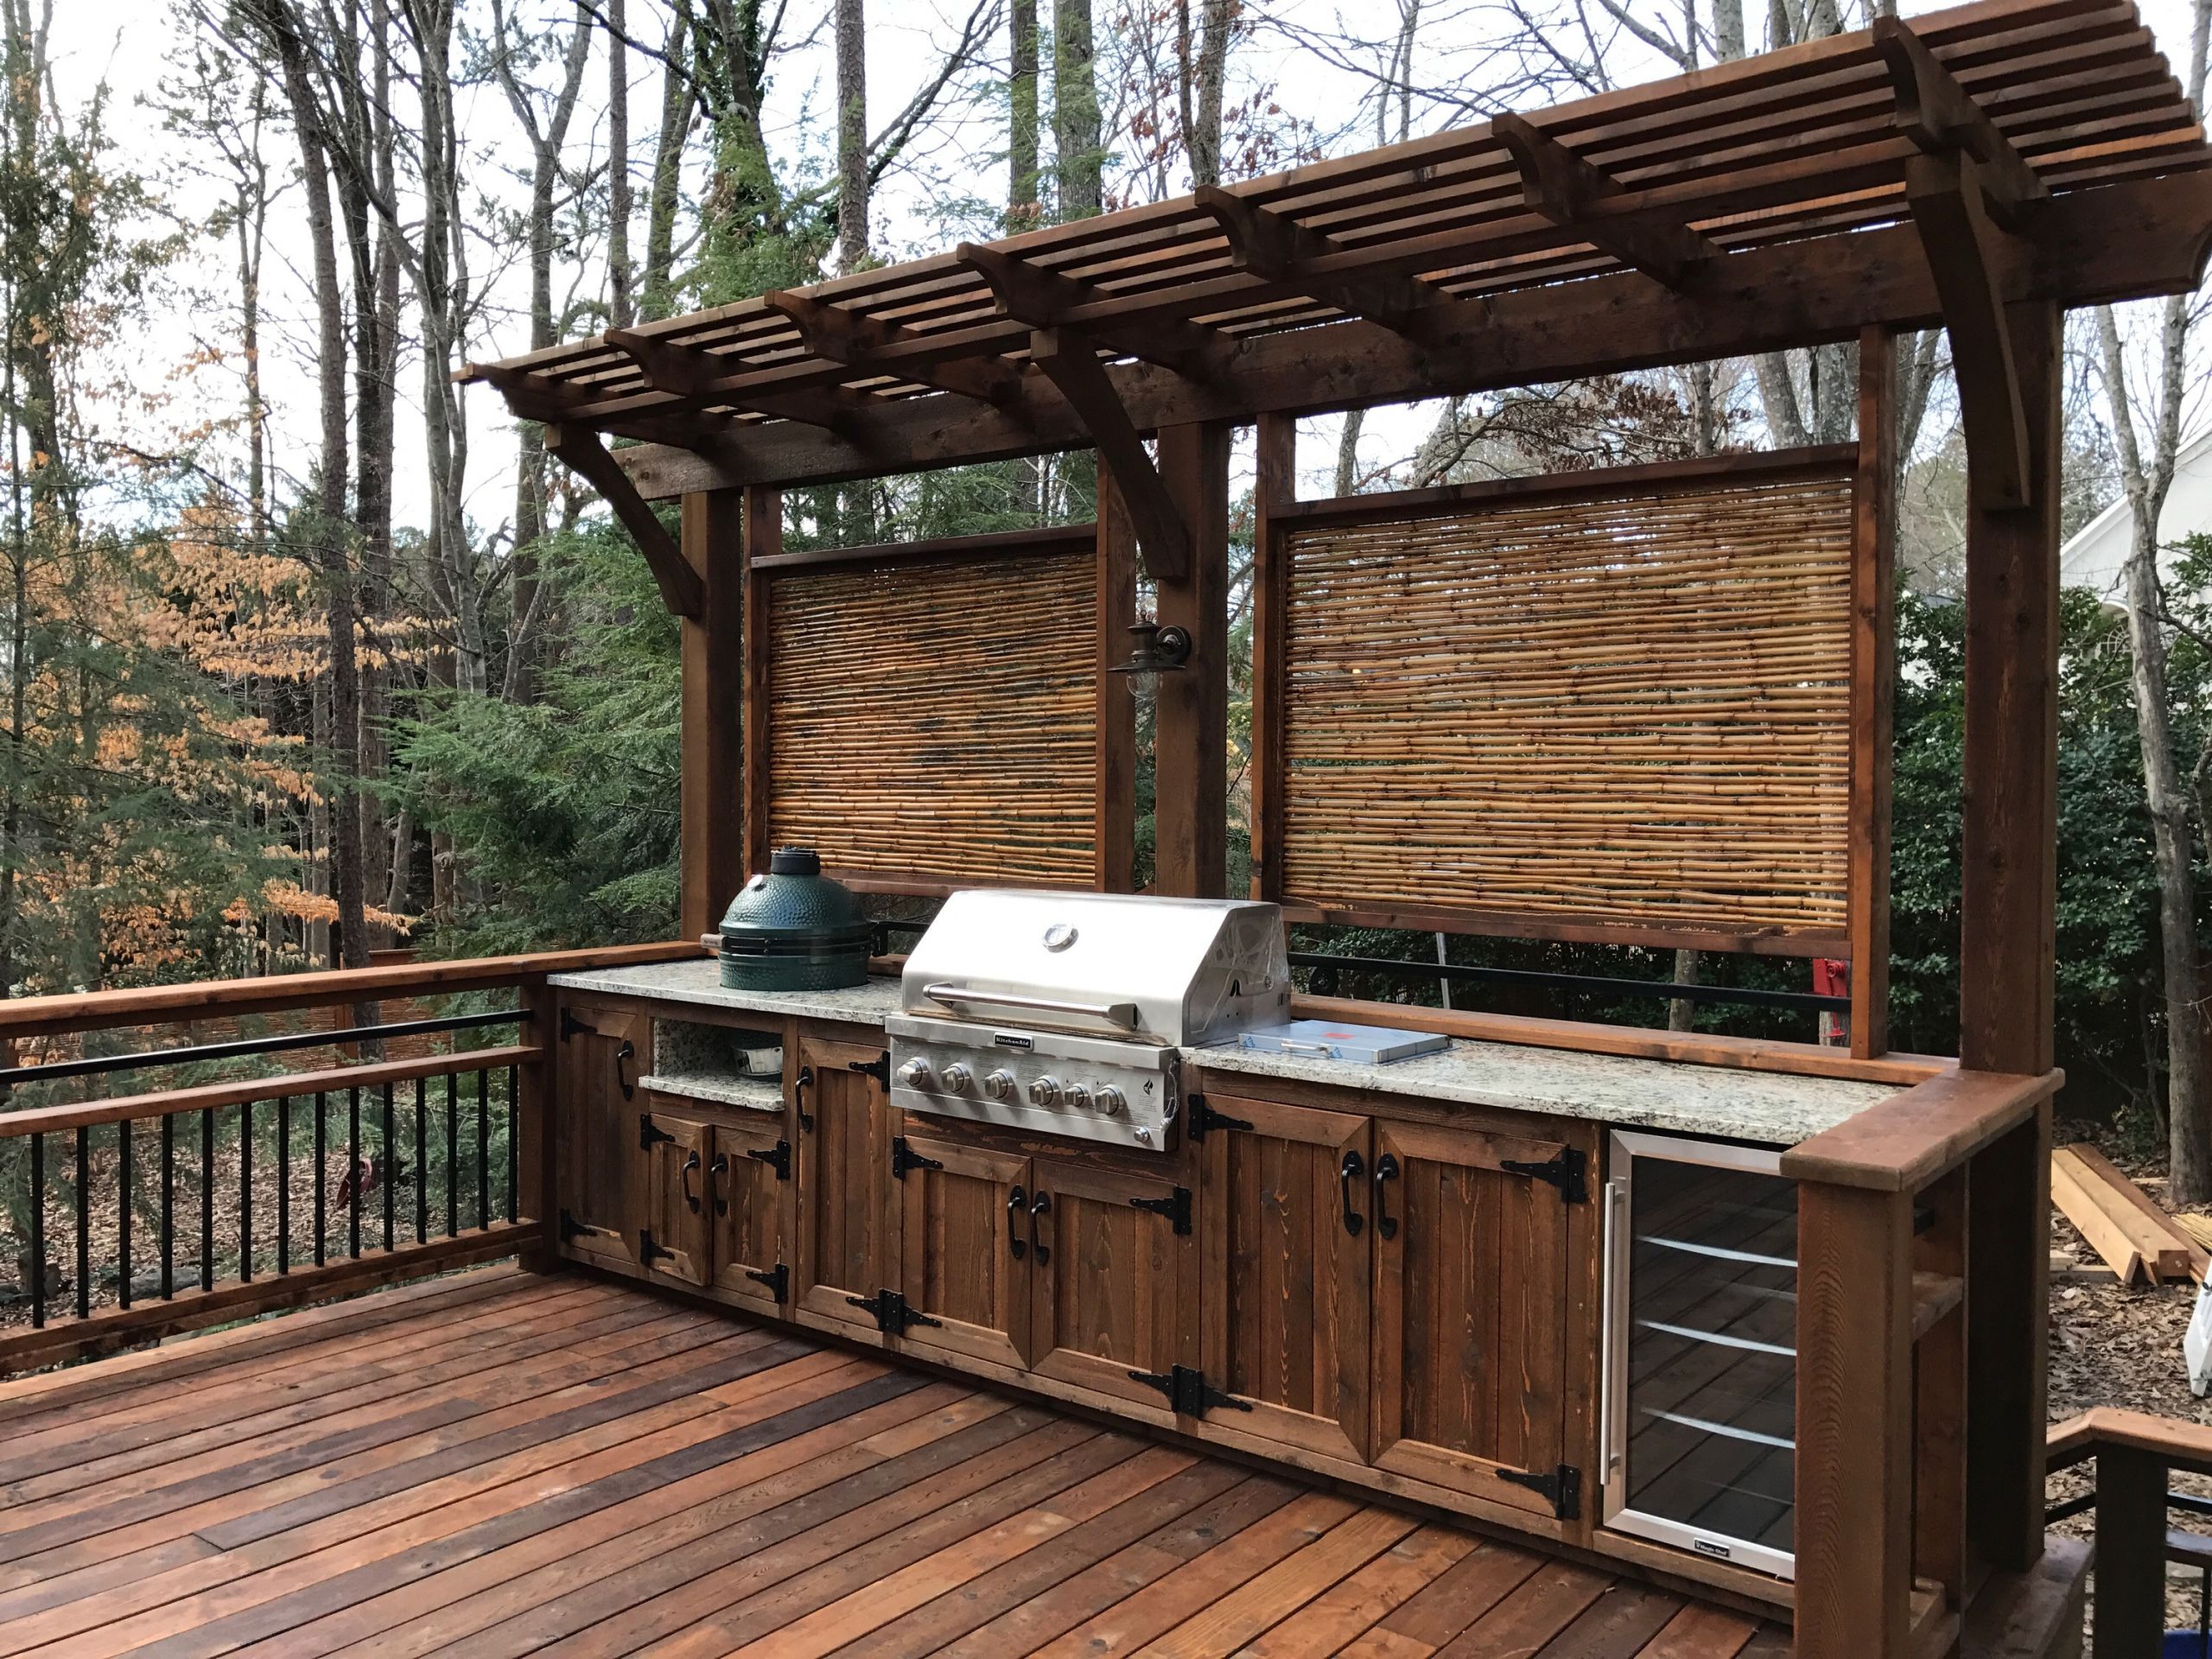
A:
[498, 1464]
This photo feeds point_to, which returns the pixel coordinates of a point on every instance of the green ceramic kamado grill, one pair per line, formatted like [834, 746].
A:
[793, 929]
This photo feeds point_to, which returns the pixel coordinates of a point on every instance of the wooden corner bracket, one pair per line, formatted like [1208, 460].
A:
[582, 454]
[1071, 362]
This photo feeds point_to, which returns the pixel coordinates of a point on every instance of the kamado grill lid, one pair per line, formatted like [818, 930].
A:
[794, 910]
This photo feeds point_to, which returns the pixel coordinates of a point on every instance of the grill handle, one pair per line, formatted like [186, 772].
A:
[1120, 1014]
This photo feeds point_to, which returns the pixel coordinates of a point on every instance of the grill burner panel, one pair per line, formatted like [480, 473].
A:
[1047, 1082]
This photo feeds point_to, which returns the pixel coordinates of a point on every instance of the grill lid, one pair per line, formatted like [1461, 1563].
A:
[793, 906]
[1182, 971]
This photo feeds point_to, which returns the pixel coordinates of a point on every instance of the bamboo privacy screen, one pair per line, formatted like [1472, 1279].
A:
[932, 712]
[1612, 707]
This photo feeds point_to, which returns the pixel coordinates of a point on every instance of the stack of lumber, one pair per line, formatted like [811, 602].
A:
[2139, 1241]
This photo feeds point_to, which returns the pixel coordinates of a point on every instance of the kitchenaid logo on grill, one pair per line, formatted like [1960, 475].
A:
[1012, 1040]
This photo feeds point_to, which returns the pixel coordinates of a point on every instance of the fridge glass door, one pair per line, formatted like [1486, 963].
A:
[1700, 1363]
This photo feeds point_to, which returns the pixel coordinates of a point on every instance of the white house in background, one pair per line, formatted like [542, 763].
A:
[2093, 556]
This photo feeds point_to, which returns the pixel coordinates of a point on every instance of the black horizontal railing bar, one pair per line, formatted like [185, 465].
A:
[1805, 1002]
[2082, 1502]
[12, 1075]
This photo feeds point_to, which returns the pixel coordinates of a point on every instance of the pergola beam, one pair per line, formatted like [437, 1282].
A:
[1163, 537]
[583, 453]
[840, 334]
[1279, 250]
[702, 376]
[536, 397]
[1563, 188]
[1042, 299]
[1941, 117]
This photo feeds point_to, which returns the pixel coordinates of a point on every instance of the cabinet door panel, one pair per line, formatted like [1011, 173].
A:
[751, 1208]
[1470, 1300]
[1287, 1276]
[1114, 1286]
[848, 1235]
[964, 1223]
[599, 1168]
[677, 1240]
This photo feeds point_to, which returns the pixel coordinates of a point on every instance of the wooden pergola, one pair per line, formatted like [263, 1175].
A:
[1982, 170]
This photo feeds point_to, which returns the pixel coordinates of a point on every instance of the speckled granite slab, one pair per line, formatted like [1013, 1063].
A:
[700, 982]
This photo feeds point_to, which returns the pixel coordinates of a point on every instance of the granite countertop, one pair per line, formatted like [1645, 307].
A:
[1767, 1107]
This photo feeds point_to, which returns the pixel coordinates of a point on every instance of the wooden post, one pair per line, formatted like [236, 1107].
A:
[537, 1194]
[1191, 728]
[1853, 1524]
[2130, 1553]
[1874, 691]
[764, 534]
[1116, 871]
[712, 864]
[2007, 949]
[1274, 484]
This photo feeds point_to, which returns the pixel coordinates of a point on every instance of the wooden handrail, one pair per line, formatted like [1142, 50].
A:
[45, 1120]
[1901, 1144]
[46, 1016]
[2175, 1442]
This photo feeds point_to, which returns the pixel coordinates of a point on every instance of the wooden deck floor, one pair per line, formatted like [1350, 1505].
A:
[496, 1463]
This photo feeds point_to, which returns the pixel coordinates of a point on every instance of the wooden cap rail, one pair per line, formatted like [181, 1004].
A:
[1901, 1144]
[2136, 1455]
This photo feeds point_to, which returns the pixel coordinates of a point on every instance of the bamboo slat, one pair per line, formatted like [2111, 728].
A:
[1627, 705]
[938, 720]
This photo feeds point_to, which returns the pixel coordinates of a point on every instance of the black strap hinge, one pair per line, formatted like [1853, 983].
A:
[1187, 1390]
[879, 1068]
[1561, 1488]
[571, 1026]
[651, 1135]
[649, 1250]
[778, 1157]
[903, 1157]
[778, 1278]
[1176, 1208]
[893, 1316]
[1200, 1119]
[571, 1228]
[1569, 1171]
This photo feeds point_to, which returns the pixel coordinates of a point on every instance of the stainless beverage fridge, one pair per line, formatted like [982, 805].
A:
[1698, 1412]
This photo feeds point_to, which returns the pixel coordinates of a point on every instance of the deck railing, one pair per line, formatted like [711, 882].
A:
[2134, 1457]
[195, 1203]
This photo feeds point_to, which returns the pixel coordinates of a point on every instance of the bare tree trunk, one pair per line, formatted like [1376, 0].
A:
[1681, 1013]
[852, 135]
[1348, 451]
[1212, 70]
[621, 304]
[657, 298]
[1022, 210]
[1075, 110]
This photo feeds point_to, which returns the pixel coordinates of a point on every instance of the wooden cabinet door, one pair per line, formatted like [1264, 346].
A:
[599, 1168]
[848, 1232]
[967, 1247]
[1113, 1277]
[751, 1187]
[1470, 1302]
[677, 1239]
[1287, 1263]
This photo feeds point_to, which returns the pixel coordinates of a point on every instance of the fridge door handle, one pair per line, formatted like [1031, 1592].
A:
[1612, 1361]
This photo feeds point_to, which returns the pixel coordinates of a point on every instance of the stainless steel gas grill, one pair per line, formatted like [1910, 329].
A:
[1067, 1013]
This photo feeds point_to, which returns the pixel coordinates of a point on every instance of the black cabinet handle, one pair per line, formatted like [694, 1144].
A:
[717, 1175]
[1041, 1206]
[1386, 1169]
[1016, 1246]
[798, 1096]
[690, 1168]
[623, 1056]
[1351, 1169]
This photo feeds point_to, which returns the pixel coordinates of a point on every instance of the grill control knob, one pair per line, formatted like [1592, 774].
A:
[1043, 1091]
[955, 1078]
[999, 1085]
[1110, 1099]
[1078, 1096]
[915, 1074]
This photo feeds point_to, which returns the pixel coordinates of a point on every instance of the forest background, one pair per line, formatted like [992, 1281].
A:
[308, 651]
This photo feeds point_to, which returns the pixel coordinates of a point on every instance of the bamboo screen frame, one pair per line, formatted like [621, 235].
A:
[1534, 689]
[935, 714]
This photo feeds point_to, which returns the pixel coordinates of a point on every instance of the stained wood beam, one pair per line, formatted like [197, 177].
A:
[583, 453]
[843, 335]
[1570, 192]
[536, 397]
[1041, 298]
[686, 371]
[1071, 362]
[1941, 117]
[1279, 250]
[1969, 258]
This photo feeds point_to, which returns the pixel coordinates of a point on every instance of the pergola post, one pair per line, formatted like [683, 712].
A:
[711, 853]
[1190, 725]
[2006, 933]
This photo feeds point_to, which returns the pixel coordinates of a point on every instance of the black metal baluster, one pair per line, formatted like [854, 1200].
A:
[453, 1160]
[321, 1176]
[483, 1149]
[421, 1163]
[38, 1231]
[284, 1184]
[353, 1169]
[208, 1197]
[168, 1205]
[245, 1190]
[84, 1221]
[123, 1173]
[514, 1077]
[391, 1167]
